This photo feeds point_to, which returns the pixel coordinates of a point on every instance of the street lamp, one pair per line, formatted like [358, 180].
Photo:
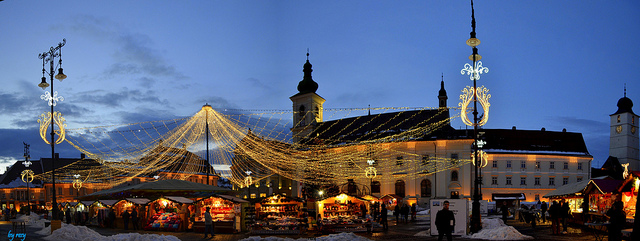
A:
[55, 118]
[27, 175]
[475, 94]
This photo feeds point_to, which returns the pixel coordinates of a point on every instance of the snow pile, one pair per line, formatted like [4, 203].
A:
[424, 212]
[495, 229]
[32, 220]
[81, 233]
[331, 237]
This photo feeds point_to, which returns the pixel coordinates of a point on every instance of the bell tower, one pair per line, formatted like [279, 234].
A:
[307, 106]
[623, 142]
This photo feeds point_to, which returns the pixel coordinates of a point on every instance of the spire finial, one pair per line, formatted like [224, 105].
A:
[625, 89]
[442, 76]
[369, 109]
[307, 54]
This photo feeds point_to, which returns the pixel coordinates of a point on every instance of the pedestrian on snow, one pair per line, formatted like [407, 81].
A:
[383, 217]
[112, 218]
[543, 210]
[208, 223]
[445, 221]
[134, 218]
[67, 215]
[405, 212]
[554, 215]
[505, 212]
[565, 211]
[125, 218]
[413, 212]
[617, 220]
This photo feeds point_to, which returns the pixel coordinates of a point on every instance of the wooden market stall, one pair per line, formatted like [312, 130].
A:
[390, 200]
[600, 195]
[628, 190]
[225, 210]
[574, 195]
[279, 214]
[167, 214]
[343, 213]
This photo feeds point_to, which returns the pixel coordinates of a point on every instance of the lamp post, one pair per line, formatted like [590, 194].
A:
[27, 175]
[475, 94]
[55, 118]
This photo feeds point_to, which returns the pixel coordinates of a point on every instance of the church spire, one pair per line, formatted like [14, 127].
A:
[442, 94]
[307, 85]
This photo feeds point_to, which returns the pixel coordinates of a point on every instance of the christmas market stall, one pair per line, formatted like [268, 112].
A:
[390, 200]
[601, 195]
[99, 212]
[279, 214]
[168, 213]
[344, 213]
[629, 194]
[225, 210]
[574, 195]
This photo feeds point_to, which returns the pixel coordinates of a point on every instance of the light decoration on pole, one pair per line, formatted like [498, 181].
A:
[248, 180]
[77, 183]
[370, 172]
[475, 94]
[45, 120]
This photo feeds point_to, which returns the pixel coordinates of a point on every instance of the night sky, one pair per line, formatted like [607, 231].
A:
[552, 64]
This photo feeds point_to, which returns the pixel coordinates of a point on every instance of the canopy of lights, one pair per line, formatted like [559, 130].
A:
[246, 146]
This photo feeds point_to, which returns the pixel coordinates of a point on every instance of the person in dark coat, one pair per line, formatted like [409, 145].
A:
[543, 208]
[564, 214]
[554, 215]
[396, 212]
[445, 221]
[617, 220]
[67, 215]
[125, 218]
[134, 219]
[405, 212]
[413, 212]
[112, 218]
[504, 209]
[383, 217]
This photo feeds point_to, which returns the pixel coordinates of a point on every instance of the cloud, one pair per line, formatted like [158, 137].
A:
[121, 97]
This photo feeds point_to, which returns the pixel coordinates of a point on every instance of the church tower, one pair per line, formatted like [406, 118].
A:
[623, 142]
[307, 106]
[442, 95]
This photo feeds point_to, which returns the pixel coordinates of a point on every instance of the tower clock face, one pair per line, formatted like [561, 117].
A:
[618, 129]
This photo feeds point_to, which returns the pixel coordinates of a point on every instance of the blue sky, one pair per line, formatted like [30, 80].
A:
[552, 64]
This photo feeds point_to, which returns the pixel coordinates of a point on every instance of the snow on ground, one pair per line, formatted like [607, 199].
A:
[424, 212]
[330, 237]
[495, 229]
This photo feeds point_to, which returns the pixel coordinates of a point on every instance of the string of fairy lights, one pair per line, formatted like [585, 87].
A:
[248, 146]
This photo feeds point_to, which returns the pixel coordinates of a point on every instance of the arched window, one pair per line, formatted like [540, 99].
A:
[400, 188]
[425, 188]
[454, 176]
[375, 187]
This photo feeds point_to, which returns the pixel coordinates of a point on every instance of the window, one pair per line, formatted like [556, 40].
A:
[552, 181]
[454, 176]
[400, 188]
[59, 191]
[263, 194]
[565, 180]
[566, 165]
[552, 165]
[454, 158]
[494, 180]
[537, 197]
[253, 195]
[425, 160]
[536, 181]
[579, 179]
[538, 165]
[523, 180]
[375, 187]
[399, 161]
[70, 190]
[523, 164]
[508, 180]
[495, 164]
[425, 188]
[579, 166]
[508, 164]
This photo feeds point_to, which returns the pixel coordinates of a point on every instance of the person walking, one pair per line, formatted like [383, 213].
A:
[383, 217]
[413, 212]
[504, 209]
[208, 223]
[564, 212]
[125, 219]
[554, 212]
[67, 215]
[617, 220]
[445, 221]
[112, 218]
[405, 212]
[396, 212]
[134, 219]
[543, 211]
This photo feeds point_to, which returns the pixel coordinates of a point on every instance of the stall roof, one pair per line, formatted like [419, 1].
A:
[140, 201]
[602, 186]
[361, 199]
[568, 190]
[508, 196]
[108, 202]
[391, 196]
[232, 198]
[182, 200]
[87, 203]
[370, 197]
[169, 187]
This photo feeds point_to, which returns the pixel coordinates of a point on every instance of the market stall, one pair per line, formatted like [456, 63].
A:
[165, 214]
[279, 214]
[629, 193]
[225, 210]
[600, 193]
[344, 213]
[574, 195]
[390, 200]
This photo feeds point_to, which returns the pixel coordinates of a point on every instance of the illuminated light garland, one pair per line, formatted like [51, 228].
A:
[256, 142]
[45, 121]
[467, 98]
[474, 73]
[77, 184]
[370, 172]
[484, 159]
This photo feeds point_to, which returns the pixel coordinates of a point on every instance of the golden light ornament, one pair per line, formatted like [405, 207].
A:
[370, 172]
[467, 97]
[484, 159]
[77, 184]
[45, 122]
[248, 180]
[27, 176]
